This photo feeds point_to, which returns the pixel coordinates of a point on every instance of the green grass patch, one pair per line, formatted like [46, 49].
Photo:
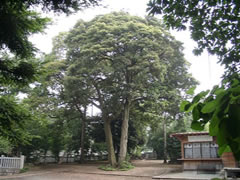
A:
[107, 168]
[23, 170]
[124, 166]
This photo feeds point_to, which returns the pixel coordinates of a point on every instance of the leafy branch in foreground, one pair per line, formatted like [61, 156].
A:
[220, 107]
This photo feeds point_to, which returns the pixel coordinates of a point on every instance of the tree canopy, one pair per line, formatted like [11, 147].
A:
[18, 21]
[214, 25]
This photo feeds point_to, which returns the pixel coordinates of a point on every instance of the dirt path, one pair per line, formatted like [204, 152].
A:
[144, 170]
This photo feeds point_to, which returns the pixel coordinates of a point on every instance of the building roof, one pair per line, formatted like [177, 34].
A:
[189, 134]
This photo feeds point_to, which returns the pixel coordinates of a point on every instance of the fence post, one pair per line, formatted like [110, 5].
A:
[1, 162]
[21, 161]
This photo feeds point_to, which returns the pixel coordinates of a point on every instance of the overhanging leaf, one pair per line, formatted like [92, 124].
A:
[235, 82]
[183, 105]
[191, 90]
[196, 113]
[233, 123]
[219, 91]
[196, 125]
[223, 149]
[200, 96]
[209, 107]
[222, 135]
[214, 125]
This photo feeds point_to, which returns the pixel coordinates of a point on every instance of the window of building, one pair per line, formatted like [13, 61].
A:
[200, 150]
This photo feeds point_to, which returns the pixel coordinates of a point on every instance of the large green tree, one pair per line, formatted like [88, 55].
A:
[214, 25]
[118, 60]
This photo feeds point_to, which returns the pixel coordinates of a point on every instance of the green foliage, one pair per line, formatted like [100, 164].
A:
[125, 166]
[5, 146]
[221, 108]
[137, 152]
[18, 22]
[67, 7]
[214, 25]
[174, 149]
[99, 147]
[16, 72]
[23, 170]
[56, 138]
[156, 140]
[13, 120]
[16, 26]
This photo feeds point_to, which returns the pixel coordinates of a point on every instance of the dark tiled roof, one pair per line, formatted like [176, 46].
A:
[189, 134]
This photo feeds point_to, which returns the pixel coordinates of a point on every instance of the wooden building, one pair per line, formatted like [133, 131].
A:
[199, 149]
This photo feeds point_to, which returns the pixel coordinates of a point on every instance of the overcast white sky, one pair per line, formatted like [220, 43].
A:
[204, 68]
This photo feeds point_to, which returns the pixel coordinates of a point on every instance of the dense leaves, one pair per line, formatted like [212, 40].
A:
[214, 25]
[15, 72]
[5, 145]
[13, 119]
[18, 22]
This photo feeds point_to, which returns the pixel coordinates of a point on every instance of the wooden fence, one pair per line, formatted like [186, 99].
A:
[11, 162]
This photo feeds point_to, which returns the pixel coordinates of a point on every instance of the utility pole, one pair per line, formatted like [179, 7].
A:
[164, 139]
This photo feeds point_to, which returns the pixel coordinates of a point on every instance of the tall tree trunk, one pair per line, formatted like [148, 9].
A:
[82, 141]
[45, 154]
[82, 158]
[109, 141]
[124, 133]
[165, 140]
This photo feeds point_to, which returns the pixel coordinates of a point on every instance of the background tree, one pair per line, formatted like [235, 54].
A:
[156, 138]
[13, 122]
[164, 107]
[74, 99]
[214, 25]
[53, 116]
